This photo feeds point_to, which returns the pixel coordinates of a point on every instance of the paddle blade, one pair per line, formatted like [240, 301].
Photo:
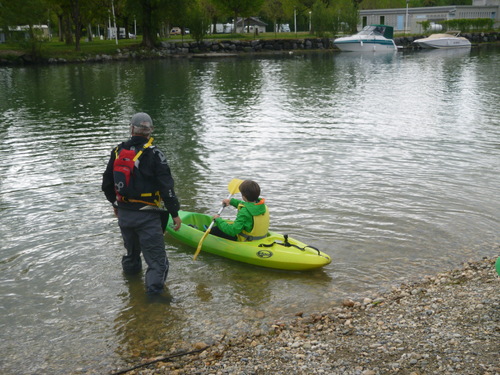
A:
[234, 185]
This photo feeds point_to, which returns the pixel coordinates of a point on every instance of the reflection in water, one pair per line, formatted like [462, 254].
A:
[145, 322]
[387, 163]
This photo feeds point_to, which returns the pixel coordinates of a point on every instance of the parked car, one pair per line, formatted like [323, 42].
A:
[285, 28]
[186, 31]
[176, 31]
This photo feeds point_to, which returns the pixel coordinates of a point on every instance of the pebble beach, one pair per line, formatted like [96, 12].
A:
[447, 323]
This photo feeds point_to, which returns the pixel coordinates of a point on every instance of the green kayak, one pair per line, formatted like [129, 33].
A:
[275, 251]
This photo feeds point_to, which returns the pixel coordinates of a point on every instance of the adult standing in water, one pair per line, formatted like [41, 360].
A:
[138, 182]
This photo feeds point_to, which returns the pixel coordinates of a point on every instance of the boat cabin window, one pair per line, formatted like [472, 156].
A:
[369, 30]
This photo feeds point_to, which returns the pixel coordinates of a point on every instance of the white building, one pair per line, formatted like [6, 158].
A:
[407, 19]
[42, 31]
[250, 25]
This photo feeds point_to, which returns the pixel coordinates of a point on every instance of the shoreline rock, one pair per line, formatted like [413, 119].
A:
[443, 324]
[225, 48]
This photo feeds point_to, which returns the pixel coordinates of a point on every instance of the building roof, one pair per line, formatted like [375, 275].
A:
[251, 21]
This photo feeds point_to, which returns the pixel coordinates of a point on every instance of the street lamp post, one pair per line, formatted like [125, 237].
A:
[406, 22]
[114, 21]
[295, 20]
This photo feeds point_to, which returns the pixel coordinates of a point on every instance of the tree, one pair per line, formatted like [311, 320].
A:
[333, 17]
[77, 21]
[151, 14]
[240, 7]
[148, 16]
[197, 19]
[279, 10]
[25, 13]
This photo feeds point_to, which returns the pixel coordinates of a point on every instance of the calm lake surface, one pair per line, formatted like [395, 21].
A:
[390, 164]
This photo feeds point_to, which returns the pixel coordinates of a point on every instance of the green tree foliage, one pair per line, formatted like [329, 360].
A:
[466, 25]
[152, 14]
[149, 14]
[324, 19]
[280, 11]
[198, 20]
[25, 13]
[329, 19]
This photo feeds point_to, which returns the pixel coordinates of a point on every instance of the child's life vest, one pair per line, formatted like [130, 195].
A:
[123, 171]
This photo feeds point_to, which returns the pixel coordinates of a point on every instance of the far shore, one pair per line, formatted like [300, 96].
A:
[130, 49]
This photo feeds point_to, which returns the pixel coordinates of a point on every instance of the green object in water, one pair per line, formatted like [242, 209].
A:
[275, 251]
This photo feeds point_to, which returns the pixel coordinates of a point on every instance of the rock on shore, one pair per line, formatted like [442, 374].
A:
[443, 324]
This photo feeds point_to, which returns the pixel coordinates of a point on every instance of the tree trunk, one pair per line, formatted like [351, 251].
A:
[75, 12]
[68, 35]
[148, 29]
[126, 22]
[61, 27]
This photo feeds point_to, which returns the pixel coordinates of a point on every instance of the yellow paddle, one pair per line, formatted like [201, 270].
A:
[233, 187]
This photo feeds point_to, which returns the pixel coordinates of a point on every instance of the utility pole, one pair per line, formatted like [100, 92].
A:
[114, 20]
[406, 22]
[295, 20]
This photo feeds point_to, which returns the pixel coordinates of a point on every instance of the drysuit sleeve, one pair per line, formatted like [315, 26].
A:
[166, 183]
[108, 183]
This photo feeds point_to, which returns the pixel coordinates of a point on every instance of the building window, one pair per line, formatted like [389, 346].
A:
[365, 21]
[382, 20]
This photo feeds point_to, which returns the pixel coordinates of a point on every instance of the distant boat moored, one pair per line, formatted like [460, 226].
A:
[372, 38]
[443, 41]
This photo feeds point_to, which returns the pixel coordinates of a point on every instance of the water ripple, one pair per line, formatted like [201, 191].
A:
[390, 164]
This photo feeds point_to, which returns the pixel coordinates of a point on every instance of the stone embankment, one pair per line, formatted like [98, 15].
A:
[238, 47]
[447, 323]
[232, 48]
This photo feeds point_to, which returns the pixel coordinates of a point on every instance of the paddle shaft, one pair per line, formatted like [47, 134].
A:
[198, 249]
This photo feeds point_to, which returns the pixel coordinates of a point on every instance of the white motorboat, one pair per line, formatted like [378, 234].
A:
[373, 38]
[443, 41]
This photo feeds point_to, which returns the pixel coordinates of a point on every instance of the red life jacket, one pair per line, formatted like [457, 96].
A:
[123, 172]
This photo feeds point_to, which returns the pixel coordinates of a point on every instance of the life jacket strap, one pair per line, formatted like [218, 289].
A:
[155, 196]
[138, 155]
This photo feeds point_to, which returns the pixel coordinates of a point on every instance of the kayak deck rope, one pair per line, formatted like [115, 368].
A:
[285, 244]
[288, 244]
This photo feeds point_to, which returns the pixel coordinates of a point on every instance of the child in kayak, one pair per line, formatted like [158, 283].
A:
[252, 220]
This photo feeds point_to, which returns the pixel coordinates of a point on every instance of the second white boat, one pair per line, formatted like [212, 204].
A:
[443, 41]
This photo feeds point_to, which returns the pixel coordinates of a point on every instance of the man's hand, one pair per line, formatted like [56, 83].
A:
[177, 223]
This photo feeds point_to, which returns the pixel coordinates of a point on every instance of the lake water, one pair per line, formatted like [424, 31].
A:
[390, 164]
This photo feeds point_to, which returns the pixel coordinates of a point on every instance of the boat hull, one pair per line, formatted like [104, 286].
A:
[444, 42]
[348, 44]
[270, 252]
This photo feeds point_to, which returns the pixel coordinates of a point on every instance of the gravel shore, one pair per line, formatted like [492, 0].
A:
[444, 324]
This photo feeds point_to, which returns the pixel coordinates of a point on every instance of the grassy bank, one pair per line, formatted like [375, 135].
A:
[56, 49]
